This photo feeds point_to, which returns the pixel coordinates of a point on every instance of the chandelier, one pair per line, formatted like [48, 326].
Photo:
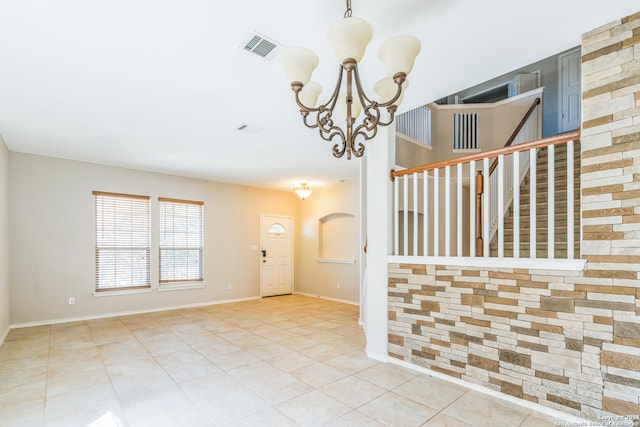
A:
[349, 38]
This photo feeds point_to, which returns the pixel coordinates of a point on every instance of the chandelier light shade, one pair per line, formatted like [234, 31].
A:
[303, 191]
[349, 38]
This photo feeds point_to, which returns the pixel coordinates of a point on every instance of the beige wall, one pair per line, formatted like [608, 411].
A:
[496, 123]
[52, 231]
[321, 278]
[5, 291]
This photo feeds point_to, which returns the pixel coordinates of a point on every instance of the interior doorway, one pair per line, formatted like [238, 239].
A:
[276, 256]
[569, 91]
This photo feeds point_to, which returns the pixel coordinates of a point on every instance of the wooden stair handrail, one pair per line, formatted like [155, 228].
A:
[515, 133]
[539, 143]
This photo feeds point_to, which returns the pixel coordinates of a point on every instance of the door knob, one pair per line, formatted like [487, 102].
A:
[264, 252]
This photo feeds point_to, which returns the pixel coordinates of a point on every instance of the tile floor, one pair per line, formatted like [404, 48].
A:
[281, 361]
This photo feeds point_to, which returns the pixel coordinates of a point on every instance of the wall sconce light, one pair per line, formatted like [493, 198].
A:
[303, 191]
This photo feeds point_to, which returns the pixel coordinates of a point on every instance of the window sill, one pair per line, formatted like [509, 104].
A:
[180, 286]
[123, 292]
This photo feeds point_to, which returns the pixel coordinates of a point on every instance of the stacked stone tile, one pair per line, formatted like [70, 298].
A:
[569, 340]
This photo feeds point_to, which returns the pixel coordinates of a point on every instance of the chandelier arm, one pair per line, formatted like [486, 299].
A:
[399, 79]
[310, 126]
[364, 100]
[331, 103]
[392, 111]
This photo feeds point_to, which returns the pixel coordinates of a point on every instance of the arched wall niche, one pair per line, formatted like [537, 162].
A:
[337, 237]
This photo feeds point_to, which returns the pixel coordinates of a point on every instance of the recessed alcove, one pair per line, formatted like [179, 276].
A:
[337, 234]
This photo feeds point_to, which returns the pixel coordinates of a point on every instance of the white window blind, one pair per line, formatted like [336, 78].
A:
[180, 239]
[122, 241]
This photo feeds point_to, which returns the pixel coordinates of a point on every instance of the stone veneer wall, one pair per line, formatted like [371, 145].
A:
[564, 339]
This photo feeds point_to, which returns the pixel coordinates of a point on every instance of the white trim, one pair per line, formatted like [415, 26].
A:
[4, 335]
[336, 261]
[489, 262]
[484, 390]
[344, 301]
[128, 313]
[380, 357]
[531, 93]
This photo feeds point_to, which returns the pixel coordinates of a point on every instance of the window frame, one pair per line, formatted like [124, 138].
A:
[140, 215]
[188, 281]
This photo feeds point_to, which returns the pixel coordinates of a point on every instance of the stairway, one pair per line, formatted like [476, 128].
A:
[543, 209]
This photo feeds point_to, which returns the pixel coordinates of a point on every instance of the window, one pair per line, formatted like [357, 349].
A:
[180, 238]
[122, 241]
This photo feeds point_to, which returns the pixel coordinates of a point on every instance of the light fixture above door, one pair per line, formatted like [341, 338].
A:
[303, 191]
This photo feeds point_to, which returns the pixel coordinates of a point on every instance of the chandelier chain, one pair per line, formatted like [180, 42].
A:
[347, 13]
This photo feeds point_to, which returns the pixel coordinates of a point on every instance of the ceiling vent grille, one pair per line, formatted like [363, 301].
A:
[262, 46]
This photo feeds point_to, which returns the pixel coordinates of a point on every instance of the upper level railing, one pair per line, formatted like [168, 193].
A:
[415, 124]
[439, 208]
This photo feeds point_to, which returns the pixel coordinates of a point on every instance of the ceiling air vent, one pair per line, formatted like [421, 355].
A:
[262, 46]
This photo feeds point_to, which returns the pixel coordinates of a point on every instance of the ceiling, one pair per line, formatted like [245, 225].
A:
[163, 85]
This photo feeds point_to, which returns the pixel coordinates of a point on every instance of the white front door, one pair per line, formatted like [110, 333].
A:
[570, 91]
[276, 257]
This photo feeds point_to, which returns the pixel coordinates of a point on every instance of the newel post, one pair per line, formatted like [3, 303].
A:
[479, 190]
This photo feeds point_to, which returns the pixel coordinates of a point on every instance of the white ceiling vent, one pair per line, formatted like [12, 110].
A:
[262, 46]
[243, 127]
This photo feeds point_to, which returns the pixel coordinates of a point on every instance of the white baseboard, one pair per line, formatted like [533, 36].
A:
[4, 334]
[344, 301]
[127, 313]
[569, 419]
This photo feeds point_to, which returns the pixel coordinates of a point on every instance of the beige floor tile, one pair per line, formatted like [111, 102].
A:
[351, 363]
[290, 360]
[11, 380]
[165, 407]
[354, 419]
[253, 372]
[183, 371]
[541, 420]
[473, 406]
[23, 395]
[121, 351]
[442, 420]
[64, 382]
[213, 350]
[394, 410]
[137, 376]
[319, 374]
[29, 362]
[387, 375]
[432, 392]
[223, 399]
[81, 407]
[23, 416]
[313, 409]
[353, 391]
[250, 341]
[268, 418]
[234, 359]
[279, 388]
[299, 343]
[269, 351]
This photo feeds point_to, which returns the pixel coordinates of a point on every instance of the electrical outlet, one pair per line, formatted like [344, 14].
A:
[338, 285]
[229, 286]
[72, 300]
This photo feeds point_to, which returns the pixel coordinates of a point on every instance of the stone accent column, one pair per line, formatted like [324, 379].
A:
[610, 185]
